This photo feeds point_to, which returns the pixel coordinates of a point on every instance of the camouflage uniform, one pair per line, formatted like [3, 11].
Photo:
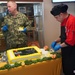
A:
[14, 37]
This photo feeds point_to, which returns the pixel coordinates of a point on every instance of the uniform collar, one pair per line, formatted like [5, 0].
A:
[65, 20]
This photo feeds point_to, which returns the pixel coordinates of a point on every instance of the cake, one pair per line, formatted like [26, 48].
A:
[22, 54]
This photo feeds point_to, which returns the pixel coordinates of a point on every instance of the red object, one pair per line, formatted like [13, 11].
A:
[69, 24]
[18, 55]
[34, 43]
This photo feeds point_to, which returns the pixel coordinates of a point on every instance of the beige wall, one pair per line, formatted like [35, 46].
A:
[51, 26]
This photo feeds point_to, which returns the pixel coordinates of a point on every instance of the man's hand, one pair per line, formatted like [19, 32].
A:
[24, 30]
[53, 44]
[57, 47]
[5, 28]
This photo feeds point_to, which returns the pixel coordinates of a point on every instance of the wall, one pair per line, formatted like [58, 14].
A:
[31, 0]
[51, 26]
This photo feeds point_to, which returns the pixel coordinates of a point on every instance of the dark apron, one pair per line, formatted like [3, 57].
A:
[68, 55]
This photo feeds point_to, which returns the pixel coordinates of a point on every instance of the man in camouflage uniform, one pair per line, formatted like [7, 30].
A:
[15, 38]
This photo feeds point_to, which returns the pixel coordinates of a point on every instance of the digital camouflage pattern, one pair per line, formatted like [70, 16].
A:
[13, 36]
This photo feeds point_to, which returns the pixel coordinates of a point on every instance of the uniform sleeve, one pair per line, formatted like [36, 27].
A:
[27, 23]
[4, 21]
[70, 32]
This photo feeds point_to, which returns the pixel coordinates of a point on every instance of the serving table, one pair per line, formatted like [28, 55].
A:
[49, 67]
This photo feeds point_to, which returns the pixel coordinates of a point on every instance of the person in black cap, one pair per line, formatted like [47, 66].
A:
[67, 38]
